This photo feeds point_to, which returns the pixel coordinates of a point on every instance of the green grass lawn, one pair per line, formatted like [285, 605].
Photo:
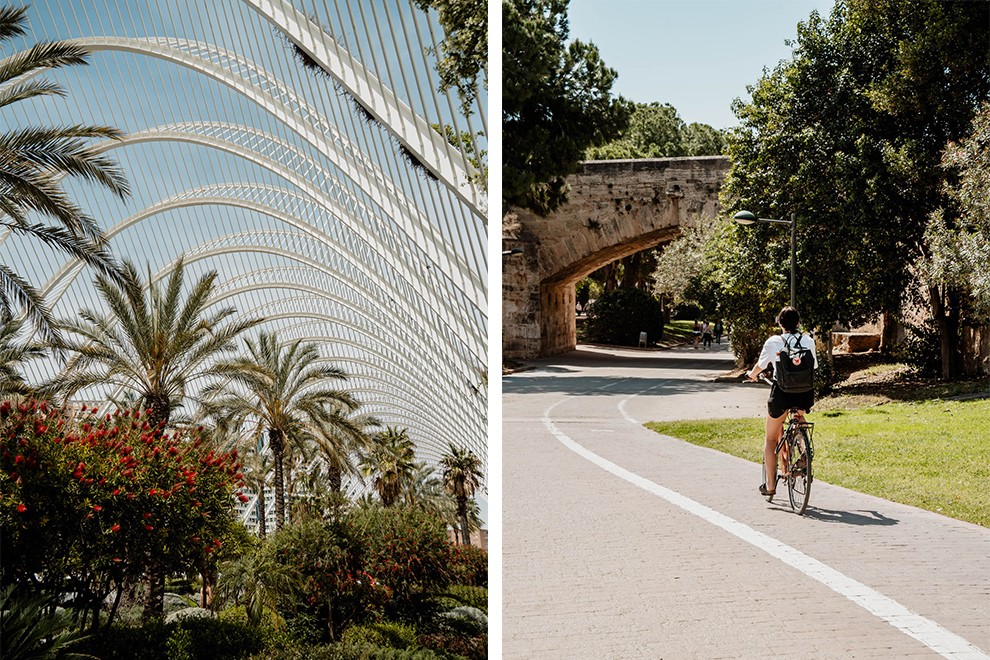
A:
[932, 454]
[677, 331]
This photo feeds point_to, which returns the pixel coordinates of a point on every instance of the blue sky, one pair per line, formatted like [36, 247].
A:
[697, 55]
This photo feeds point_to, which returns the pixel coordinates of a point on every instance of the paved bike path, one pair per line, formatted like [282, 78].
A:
[596, 566]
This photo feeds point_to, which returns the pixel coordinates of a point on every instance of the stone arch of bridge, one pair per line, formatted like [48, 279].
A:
[616, 208]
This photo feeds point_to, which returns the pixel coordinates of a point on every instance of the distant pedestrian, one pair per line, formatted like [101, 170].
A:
[706, 333]
[696, 331]
[718, 331]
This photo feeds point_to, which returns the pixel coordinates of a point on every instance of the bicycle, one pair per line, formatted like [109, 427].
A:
[796, 442]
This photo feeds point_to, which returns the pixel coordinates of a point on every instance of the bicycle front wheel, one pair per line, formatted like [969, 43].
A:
[799, 478]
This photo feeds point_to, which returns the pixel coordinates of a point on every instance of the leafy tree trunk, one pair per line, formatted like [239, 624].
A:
[335, 479]
[116, 604]
[278, 449]
[888, 330]
[610, 273]
[945, 310]
[154, 588]
[263, 513]
[630, 270]
[154, 591]
[462, 514]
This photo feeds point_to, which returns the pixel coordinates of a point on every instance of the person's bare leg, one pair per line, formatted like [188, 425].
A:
[775, 427]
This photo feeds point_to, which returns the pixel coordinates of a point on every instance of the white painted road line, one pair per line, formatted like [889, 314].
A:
[939, 639]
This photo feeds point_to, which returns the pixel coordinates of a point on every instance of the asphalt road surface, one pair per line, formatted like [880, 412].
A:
[622, 543]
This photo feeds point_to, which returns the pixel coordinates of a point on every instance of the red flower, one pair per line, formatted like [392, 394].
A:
[243, 498]
[148, 527]
[115, 528]
[147, 515]
[130, 496]
[21, 508]
[18, 459]
[116, 491]
[153, 491]
[97, 508]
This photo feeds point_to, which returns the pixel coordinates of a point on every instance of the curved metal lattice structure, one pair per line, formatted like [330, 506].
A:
[295, 148]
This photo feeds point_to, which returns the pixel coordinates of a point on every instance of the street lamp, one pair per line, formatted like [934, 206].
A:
[747, 218]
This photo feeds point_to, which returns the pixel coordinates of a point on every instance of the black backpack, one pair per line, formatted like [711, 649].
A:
[795, 368]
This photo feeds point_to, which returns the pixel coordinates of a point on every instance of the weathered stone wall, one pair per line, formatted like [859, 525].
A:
[616, 208]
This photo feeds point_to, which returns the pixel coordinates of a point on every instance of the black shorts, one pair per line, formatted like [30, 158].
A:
[780, 402]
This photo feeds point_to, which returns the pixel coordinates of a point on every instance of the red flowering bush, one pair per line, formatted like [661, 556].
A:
[469, 565]
[336, 590]
[405, 549]
[86, 500]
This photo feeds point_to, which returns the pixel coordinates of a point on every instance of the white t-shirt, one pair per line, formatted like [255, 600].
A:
[775, 344]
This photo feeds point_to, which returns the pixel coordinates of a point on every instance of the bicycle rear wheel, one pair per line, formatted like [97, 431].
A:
[771, 484]
[799, 479]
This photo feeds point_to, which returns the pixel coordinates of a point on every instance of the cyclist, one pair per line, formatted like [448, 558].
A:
[780, 402]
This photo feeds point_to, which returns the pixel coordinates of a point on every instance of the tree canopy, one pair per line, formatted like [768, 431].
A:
[656, 131]
[556, 102]
[848, 135]
[464, 50]
[959, 252]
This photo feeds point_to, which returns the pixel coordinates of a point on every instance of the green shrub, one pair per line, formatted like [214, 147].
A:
[336, 589]
[824, 375]
[387, 633]
[473, 648]
[469, 565]
[190, 638]
[922, 349]
[470, 596]
[621, 314]
[346, 651]
[179, 645]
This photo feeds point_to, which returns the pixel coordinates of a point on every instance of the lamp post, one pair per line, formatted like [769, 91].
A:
[747, 218]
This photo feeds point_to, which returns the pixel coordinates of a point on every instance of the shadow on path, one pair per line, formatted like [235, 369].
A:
[873, 518]
[616, 385]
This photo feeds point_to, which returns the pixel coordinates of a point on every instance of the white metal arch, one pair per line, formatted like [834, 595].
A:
[200, 198]
[412, 130]
[392, 267]
[413, 375]
[452, 395]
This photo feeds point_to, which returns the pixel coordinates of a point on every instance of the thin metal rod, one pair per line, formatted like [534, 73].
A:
[793, 261]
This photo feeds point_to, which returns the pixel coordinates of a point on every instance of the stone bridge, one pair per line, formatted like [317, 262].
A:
[616, 208]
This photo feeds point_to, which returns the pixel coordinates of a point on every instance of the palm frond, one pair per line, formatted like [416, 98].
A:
[16, 289]
[29, 90]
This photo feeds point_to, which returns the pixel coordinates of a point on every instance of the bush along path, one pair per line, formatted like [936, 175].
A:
[88, 502]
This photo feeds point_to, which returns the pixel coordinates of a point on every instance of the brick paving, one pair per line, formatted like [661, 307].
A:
[595, 567]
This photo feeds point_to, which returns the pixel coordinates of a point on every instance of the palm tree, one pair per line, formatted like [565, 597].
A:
[33, 629]
[257, 467]
[152, 346]
[461, 477]
[340, 442]
[287, 399]
[258, 581]
[390, 462]
[425, 491]
[13, 355]
[32, 162]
